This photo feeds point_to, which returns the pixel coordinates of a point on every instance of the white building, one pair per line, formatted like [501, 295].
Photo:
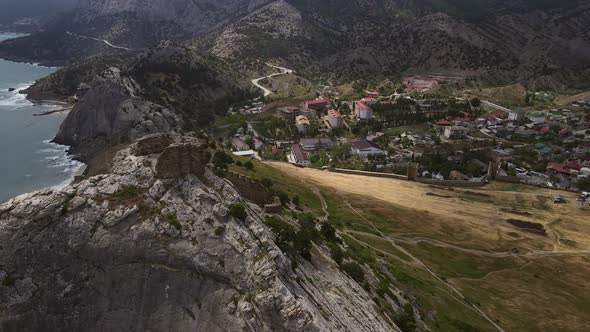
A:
[366, 149]
[363, 111]
[298, 156]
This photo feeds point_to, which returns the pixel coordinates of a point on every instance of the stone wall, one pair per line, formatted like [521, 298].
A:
[451, 183]
[181, 159]
[250, 189]
[151, 144]
[373, 174]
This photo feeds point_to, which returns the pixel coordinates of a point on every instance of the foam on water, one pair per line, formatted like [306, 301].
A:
[15, 99]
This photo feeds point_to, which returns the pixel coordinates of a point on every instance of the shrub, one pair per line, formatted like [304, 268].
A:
[354, 270]
[296, 200]
[173, 221]
[239, 163]
[302, 244]
[405, 319]
[329, 232]
[285, 232]
[222, 159]
[238, 211]
[248, 165]
[220, 230]
[337, 254]
[283, 197]
[268, 183]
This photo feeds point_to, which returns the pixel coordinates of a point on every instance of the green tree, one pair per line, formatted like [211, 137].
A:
[329, 232]
[238, 211]
[354, 270]
[249, 165]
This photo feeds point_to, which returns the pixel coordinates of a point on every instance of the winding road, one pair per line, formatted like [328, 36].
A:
[267, 92]
[100, 41]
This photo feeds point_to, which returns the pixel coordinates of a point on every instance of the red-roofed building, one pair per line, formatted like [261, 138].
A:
[318, 104]
[573, 166]
[290, 112]
[363, 111]
[558, 168]
[298, 156]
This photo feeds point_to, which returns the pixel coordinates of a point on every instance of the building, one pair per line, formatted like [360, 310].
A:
[239, 145]
[517, 115]
[456, 132]
[308, 113]
[363, 111]
[298, 156]
[366, 149]
[303, 125]
[315, 144]
[537, 118]
[290, 112]
[319, 104]
[335, 119]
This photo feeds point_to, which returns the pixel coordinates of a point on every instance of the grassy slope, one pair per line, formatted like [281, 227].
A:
[519, 292]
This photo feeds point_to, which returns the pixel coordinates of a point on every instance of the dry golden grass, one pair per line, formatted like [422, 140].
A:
[521, 280]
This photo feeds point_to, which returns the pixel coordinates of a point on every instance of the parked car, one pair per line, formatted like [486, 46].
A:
[557, 199]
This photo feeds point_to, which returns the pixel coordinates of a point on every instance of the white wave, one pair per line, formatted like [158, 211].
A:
[15, 98]
[62, 161]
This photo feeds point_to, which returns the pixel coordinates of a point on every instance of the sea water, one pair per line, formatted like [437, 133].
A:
[28, 159]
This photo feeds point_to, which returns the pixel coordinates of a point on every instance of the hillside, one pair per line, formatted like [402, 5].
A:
[157, 245]
[502, 43]
[542, 44]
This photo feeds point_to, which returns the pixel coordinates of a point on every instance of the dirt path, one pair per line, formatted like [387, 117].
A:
[101, 41]
[267, 92]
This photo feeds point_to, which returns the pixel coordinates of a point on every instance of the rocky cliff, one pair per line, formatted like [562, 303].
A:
[135, 251]
[113, 112]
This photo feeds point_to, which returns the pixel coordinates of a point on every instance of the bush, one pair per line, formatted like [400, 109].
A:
[354, 270]
[337, 254]
[220, 230]
[302, 244]
[329, 233]
[238, 211]
[285, 233]
[222, 159]
[283, 197]
[173, 221]
[405, 319]
[239, 163]
[296, 200]
[249, 166]
[268, 183]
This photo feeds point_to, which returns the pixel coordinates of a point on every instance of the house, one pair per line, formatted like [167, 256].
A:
[558, 169]
[290, 112]
[335, 119]
[369, 101]
[318, 104]
[315, 144]
[501, 155]
[258, 144]
[537, 118]
[458, 176]
[366, 149]
[303, 125]
[308, 113]
[363, 111]
[456, 132]
[239, 145]
[517, 115]
[298, 156]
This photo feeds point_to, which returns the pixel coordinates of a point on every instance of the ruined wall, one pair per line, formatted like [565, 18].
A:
[250, 188]
[151, 144]
[373, 174]
[181, 159]
[451, 183]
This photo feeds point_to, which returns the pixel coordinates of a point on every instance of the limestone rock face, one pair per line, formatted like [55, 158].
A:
[111, 112]
[130, 251]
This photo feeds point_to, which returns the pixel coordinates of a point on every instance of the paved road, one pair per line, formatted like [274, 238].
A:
[100, 41]
[283, 70]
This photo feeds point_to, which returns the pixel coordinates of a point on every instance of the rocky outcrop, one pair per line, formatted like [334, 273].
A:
[128, 251]
[112, 112]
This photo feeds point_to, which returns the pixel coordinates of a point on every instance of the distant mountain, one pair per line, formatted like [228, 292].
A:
[494, 41]
[25, 15]
[543, 43]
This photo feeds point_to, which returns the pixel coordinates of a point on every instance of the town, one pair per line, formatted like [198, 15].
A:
[449, 140]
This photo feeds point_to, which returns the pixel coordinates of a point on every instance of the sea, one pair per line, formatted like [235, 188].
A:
[28, 159]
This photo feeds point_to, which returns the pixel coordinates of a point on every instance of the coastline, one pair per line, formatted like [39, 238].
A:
[56, 156]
